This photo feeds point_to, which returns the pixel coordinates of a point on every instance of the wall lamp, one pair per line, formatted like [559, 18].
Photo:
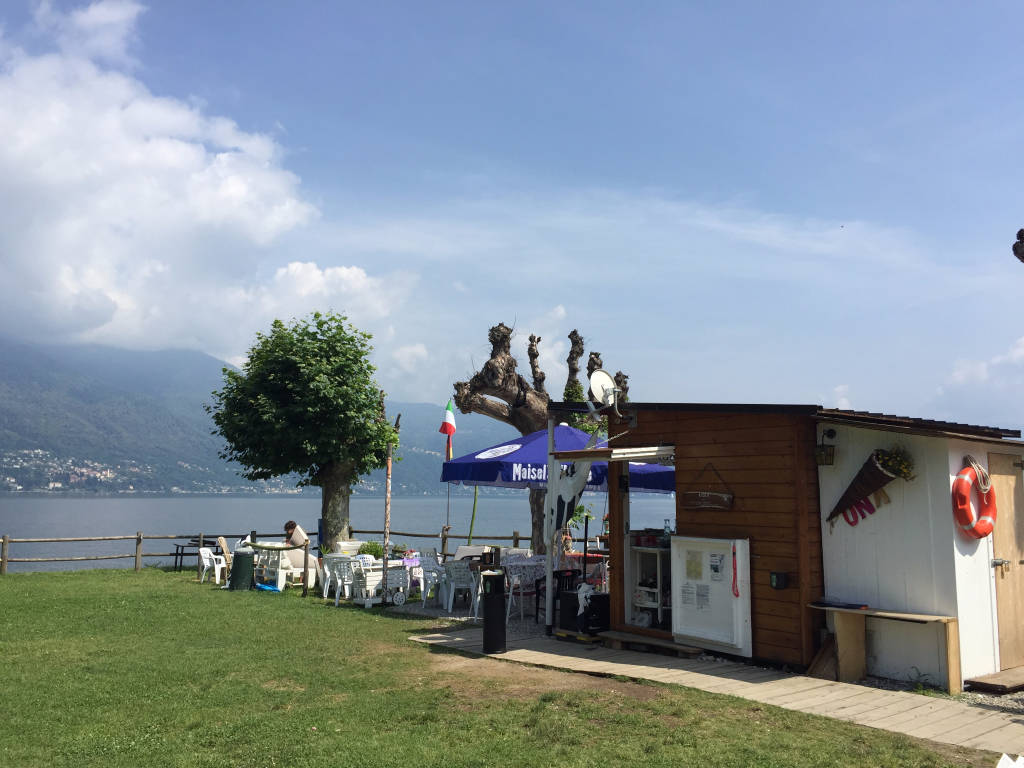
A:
[825, 453]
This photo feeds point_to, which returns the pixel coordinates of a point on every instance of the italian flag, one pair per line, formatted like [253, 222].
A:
[448, 428]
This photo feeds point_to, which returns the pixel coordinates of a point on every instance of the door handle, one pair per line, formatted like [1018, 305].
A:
[998, 561]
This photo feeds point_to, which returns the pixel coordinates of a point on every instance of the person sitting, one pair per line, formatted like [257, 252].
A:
[294, 535]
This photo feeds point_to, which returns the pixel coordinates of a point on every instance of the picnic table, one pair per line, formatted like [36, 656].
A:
[191, 549]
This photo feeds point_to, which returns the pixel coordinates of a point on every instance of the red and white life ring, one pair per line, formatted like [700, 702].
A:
[976, 524]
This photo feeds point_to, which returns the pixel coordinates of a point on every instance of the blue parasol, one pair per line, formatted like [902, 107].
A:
[523, 463]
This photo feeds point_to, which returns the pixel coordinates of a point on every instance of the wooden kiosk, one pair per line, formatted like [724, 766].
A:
[763, 457]
[906, 592]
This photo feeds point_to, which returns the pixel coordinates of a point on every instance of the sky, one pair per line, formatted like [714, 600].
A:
[732, 202]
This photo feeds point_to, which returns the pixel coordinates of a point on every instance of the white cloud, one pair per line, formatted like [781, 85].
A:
[841, 397]
[410, 356]
[103, 30]
[984, 391]
[135, 219]
[969, 372]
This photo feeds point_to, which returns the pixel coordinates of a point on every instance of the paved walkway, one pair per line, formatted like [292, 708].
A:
[937, 719]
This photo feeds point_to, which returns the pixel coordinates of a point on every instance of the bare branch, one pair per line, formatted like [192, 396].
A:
[538, 374]
[575, 353]
[526, 407]
[622, 382]
[471, 402]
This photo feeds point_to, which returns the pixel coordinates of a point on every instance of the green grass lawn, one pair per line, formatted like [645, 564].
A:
[114, 668]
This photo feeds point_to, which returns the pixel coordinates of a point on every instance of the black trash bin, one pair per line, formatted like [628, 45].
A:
[242, 564]
[493, 611]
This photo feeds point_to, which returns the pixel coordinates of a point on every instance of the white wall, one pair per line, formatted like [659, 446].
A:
[975, 577]
[897, 559]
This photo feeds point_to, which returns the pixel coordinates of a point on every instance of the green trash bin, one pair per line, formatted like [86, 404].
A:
[242, 564]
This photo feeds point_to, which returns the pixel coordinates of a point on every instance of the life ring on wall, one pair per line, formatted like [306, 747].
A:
[977, 525]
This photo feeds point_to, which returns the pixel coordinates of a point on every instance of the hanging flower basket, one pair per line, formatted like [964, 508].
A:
[881, 468]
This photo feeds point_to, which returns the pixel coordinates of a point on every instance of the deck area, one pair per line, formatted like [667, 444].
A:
[937, 719]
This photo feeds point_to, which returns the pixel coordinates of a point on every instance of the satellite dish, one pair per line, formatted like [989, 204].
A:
[602, 387]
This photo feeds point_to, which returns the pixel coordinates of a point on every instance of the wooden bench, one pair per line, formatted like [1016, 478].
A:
[851, 659]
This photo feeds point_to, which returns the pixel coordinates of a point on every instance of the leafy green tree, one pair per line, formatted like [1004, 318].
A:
[305, 402]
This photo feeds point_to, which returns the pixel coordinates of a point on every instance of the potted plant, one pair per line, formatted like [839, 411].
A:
[880, 469]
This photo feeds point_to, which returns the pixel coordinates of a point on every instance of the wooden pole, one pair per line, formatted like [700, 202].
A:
[3, 554]
[305, 567]
[515, 539]
[138, 551]
[385, 592]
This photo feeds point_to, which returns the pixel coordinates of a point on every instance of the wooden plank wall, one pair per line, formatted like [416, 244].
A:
[767, 460]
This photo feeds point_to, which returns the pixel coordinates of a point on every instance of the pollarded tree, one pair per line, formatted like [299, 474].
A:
[499, 391]
[305, 402]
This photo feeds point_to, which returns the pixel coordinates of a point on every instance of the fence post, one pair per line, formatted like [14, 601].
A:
[444, 542]
[305, 568]
[515, 539]
[199, 560]
[252, 536]
[3, 554]
[138, 551]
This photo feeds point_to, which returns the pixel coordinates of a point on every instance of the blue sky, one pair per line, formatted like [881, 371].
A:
[807, 202]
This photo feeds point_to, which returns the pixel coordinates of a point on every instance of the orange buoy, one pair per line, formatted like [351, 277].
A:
[976, 524]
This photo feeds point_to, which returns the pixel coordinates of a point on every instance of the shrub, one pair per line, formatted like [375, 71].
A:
[897, 461]
[374, 548]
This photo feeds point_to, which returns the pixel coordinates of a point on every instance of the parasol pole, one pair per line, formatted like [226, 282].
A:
[551, 495]
[586, 534]
[472, 520]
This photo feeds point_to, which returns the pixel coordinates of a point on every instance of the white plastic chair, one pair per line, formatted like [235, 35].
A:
[366, 578]
[338, 569]
[459, 577]
[210, 562]
[365, 560]
[520, 576]
[432, 577]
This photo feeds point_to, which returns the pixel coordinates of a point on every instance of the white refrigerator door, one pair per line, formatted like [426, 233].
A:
[711, 593]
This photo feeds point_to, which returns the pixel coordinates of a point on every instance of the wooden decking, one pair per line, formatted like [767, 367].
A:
[1007, 681]
[941, 720]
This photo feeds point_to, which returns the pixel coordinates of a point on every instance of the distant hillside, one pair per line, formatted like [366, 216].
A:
[117, 407]
[422, 445]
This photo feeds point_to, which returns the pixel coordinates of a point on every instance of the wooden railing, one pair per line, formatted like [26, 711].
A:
[202, 539]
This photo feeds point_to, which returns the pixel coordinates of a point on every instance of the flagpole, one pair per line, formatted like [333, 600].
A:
[448, 429]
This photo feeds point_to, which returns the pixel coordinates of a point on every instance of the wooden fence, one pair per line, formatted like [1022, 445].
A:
[196, 540]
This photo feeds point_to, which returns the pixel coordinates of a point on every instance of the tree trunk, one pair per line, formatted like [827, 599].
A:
[537, 498]
[336, 490]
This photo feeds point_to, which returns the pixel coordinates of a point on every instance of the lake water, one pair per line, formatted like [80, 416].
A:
[35, 517]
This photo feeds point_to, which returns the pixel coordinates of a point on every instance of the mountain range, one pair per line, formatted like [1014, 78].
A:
[68, 407]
